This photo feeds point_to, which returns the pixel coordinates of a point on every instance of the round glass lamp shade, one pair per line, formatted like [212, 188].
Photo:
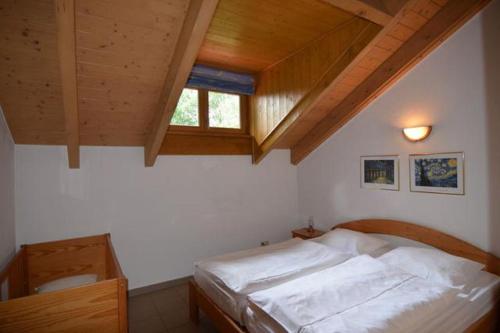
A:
[415, 134]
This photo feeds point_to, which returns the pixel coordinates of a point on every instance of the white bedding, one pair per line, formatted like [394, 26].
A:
[231, 303]
[228, 279]
[468, 305]
[359, 295]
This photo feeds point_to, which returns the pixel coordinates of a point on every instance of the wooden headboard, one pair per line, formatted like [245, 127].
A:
[428, 236]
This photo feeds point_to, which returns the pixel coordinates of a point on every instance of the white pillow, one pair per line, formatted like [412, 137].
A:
[433, 265]
[67, 282]
[353, 242]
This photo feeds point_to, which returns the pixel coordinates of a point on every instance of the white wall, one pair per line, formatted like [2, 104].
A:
[161, 219]
[456, 90]
[7, 226]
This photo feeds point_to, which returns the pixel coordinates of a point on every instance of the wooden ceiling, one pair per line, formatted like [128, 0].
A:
[30, 89]
[412, 31]
[251, 35]
[110, 72]
[123, 50]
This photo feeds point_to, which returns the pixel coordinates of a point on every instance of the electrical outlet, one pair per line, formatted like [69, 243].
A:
[264, 243]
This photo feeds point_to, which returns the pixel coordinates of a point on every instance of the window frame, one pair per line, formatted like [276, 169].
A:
[203, 111]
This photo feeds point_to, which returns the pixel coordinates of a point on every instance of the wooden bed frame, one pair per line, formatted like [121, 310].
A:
[96, 307]
[198, 299]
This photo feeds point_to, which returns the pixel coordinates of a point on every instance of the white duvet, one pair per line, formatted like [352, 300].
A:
[251, 270]
[359, 295]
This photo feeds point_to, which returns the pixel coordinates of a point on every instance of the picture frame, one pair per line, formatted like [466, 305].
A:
[380, 172]
[441, 173]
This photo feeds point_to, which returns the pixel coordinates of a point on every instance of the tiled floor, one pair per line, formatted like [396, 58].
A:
[164, 311]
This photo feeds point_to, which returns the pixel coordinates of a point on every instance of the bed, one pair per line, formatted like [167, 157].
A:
[92, 307]
[481, 316]
[230, 278]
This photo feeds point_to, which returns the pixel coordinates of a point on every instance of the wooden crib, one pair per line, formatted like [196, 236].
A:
[95, 307]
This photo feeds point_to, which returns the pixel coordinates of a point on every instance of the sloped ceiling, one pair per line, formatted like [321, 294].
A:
[124, 50]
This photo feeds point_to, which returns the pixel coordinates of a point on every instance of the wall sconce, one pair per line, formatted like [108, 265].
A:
[415, 134]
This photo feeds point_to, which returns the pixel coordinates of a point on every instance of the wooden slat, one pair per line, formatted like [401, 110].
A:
[311, 73]
[372, 10]
[432, 34]
[89, 308]
[206, 144]
[15, 275]
[113, 268]
[199, 299]
[196, 23]
[251, 35]
[98, 307]
[118, 83]
[428, 236]
[114, 271]
[65, 15]
[365, 63]
[30, 91]
[54, 260]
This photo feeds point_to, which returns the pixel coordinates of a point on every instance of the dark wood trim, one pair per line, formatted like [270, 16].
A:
[196, 23]
[452, 16]
[203, 109]
[319, 90]
[206, 144]
[378, 12]
[199, 300]
[66, 40]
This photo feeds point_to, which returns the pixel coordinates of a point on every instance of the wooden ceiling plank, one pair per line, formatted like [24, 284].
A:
[195, 26]
[252, 35]
[318, 91]
[376, 11]
[365, 63]
[452, 16]
[66, 40]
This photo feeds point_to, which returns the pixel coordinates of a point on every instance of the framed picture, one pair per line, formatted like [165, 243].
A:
[437, 173]
[380, 172]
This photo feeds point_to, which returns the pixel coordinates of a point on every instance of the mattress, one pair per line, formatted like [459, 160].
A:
[234, 301]
[475, 300]
[230, 302]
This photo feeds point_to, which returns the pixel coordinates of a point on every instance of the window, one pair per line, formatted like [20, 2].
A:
[186, 113]
[200, 110]
[223, 110]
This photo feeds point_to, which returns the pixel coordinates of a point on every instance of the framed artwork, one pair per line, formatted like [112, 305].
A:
[437, 173]
[380, 172]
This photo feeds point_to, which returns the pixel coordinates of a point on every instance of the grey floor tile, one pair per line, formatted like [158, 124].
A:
[141, 308]
[175, 318]
[153, 324]
[187, 328]
[206, 326]
[168, 300]
[203, 327]
[183, 291]
[163, 311]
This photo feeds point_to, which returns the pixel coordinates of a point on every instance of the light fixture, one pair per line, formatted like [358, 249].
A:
[415, 134]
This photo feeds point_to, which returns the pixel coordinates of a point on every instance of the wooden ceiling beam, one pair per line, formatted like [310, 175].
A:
[452, 16]
[380, 12]
[317, 92]
[196, 23]
[65, 16]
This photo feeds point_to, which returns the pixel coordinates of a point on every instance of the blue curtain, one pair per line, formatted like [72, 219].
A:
[221, 80]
